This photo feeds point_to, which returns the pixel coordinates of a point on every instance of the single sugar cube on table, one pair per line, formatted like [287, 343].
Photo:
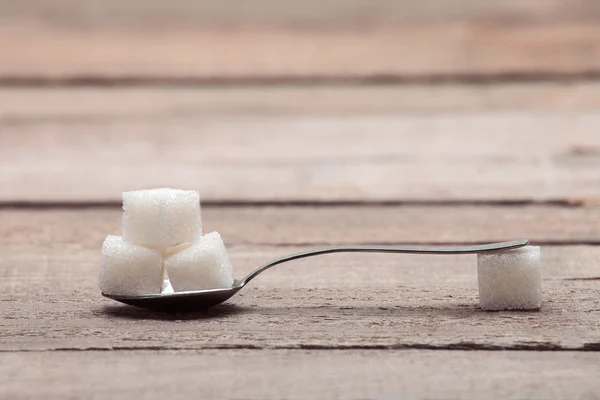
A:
[161, 218]
[510, 280]
[201, 266]
[127, 269]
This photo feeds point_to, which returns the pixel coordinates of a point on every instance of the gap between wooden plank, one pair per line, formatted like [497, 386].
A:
[121, 82]
[43, 205]
[547, 347]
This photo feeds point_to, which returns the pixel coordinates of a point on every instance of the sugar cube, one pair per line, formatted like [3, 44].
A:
[510, 280]
[161, 218]
[127, 269]
[203, 265]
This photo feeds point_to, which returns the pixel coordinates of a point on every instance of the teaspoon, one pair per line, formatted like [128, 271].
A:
[200, 299]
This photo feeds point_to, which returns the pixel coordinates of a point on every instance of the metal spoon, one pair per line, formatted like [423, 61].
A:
[201, 299]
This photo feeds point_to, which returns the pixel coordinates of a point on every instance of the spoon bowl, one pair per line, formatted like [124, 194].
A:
[180, 301]
[197, 300]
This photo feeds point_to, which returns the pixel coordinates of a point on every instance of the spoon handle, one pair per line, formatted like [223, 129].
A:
[471, 249]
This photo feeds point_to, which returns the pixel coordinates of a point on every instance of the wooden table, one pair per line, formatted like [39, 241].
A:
[309, 124]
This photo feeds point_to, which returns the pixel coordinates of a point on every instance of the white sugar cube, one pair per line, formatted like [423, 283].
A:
[202, 265]
[161, 218]
[127, 269]
[510, 280]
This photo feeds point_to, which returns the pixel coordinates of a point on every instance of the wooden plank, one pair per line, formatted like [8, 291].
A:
[299, 40]
[437, 157]
[327, 225]
[386, 51]
[49, 298]
[300, 375]
[262, 317]
[68, 105]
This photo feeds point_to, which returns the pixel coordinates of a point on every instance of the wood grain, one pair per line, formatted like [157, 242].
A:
[299, 375]
[510, 156]
[68, 105]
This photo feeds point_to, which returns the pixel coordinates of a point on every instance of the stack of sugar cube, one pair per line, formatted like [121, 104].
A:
[162, 236]
[510, 280]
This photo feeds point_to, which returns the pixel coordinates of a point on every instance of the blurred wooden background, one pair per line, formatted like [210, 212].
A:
[279, 41]
[303, 124]
[300, 101]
